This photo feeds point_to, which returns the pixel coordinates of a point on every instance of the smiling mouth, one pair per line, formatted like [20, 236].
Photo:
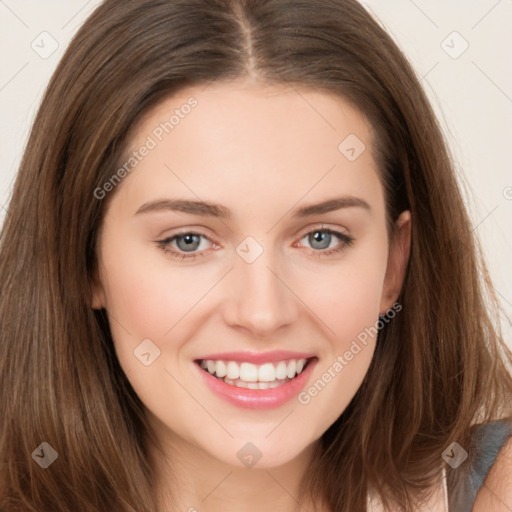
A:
[253, 376]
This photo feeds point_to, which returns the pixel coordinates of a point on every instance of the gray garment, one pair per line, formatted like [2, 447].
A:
[464, 482]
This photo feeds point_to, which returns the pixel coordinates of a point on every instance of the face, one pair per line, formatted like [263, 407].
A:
[248, 241]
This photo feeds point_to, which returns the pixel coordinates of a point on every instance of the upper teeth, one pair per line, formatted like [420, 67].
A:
[249, 372]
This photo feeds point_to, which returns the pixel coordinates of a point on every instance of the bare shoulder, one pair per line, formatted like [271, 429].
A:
[495, 495]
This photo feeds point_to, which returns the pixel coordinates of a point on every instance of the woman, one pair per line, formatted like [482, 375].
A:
[189, 345]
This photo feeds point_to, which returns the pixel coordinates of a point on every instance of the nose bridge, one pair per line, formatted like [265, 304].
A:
[262, 302]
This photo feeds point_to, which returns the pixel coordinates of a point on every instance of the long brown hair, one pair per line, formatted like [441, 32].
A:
[439, 366]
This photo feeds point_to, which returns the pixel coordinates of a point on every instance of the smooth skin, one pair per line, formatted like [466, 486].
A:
[262, 152]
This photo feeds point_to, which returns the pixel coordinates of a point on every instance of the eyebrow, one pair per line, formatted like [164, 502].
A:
[216, 210]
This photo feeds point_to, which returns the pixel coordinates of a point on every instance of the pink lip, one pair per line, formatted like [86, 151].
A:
[258, 398]
[256, 357]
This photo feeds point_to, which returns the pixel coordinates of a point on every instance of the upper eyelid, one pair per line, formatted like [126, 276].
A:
[302, 234]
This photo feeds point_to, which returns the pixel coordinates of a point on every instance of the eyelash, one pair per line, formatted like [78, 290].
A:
[164, 244]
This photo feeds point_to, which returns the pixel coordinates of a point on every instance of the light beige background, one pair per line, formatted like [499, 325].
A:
[471, 89]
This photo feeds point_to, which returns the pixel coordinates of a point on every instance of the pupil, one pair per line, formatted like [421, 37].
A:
[190, 240]
[319, 237]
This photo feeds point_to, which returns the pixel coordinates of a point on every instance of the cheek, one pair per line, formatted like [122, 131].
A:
[152, 300]
[147, 296]
[350, 300]
[350, 308]
[346, 296]
[350, 313]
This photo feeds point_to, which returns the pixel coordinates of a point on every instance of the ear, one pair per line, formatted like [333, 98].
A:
[398, 258]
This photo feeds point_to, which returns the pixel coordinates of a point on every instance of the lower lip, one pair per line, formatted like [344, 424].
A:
[258, 398]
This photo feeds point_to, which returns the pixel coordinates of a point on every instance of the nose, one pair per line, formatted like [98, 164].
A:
[260, 298]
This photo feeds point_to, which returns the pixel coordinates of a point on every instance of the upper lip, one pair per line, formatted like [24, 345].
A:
[256, 357]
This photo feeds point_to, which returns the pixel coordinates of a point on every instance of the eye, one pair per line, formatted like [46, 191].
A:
[321, 239]
[187, 243]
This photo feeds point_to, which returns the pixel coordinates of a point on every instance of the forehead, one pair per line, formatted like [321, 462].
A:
[245, 141]
[246, 110]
